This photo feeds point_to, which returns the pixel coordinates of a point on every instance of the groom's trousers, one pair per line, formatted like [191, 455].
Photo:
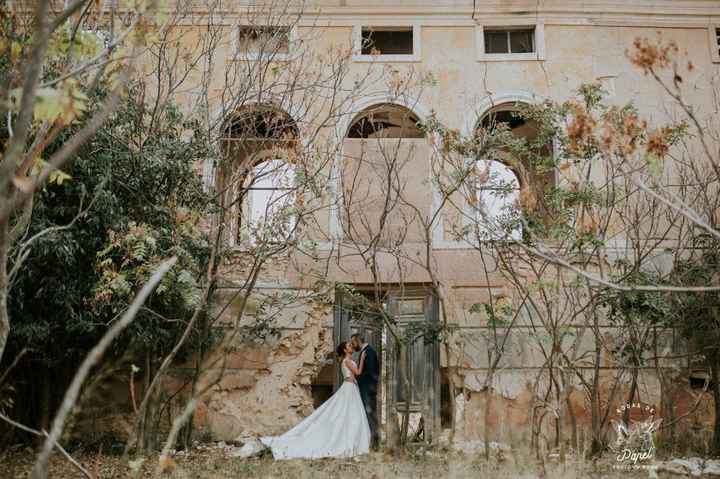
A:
[368, 394]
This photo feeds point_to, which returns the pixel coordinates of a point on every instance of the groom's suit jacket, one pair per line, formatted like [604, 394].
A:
[368, 380]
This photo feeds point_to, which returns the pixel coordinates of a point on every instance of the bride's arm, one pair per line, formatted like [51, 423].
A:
[357, 371]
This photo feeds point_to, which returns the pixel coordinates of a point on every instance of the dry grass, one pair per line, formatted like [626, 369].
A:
[215, 464]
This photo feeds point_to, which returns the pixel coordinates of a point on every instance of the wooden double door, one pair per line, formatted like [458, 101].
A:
[411, 314]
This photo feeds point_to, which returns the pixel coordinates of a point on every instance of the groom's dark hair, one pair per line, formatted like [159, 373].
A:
[359, 336]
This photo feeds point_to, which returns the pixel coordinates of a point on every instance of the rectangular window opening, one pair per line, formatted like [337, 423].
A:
[267, 40]
[387, 41]
[717, 40]
[509, 40]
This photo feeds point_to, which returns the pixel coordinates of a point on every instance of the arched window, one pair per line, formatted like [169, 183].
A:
[383, 175]
[385, 121]
[259, 175]
[269, 195]
[497, 191]
[498, 210]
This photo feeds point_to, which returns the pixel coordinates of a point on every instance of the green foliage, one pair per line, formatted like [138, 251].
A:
[147, 200]
[697, 315]
[431, 332]
[498, 315]
[81, 43]
[635, 313]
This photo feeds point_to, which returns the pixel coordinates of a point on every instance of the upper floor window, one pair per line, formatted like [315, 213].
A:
[521, 40]
[510, 42]
[714, 34]
[387, 43]
[263, 41]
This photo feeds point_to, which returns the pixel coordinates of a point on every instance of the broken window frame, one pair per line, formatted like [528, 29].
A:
[503, 187]
[263, 133]
[714, 42]
[282, 168]
[538, 42]
[267, 54]
[358, 56]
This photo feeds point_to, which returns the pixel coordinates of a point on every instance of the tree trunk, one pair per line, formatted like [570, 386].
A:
[4, 317]
[715, 448]
[573, 424]
[596, 446]
[486, 420]
[44, 423]
[631, 396]
[404, 367]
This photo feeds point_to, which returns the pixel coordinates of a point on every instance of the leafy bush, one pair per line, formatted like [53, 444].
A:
[138, 201]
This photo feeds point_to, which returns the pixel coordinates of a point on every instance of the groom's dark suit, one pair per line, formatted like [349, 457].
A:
[368, 384]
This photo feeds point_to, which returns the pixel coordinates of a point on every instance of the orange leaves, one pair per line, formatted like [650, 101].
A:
[651, 56]
[581, 130]
[658, 143]
[588, 222]
[166, 463]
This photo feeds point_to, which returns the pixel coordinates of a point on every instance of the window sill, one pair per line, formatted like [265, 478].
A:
[385, 58]
[470, 243]
[258, 57]
[509, 57]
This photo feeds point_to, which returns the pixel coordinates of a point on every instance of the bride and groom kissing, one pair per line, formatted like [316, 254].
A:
[346, 425]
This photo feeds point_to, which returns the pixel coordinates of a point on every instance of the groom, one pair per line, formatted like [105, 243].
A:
[368, 384]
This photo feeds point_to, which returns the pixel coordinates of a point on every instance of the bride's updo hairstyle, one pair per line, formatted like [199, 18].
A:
[340, 351]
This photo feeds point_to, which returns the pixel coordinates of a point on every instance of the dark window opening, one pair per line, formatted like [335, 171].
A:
[446, 405]
[264, 39]
[510, 118]
[717, 40]
[509, 41]
[321, 387]
[698, 380]
[387, 41]
[386, 121]
[265, 123]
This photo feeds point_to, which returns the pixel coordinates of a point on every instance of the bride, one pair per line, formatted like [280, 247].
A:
[338, 428]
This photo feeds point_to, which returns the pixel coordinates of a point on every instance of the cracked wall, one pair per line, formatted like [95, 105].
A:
[269, 387]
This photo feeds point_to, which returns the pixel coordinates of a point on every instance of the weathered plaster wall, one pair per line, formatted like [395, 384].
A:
[267, 387]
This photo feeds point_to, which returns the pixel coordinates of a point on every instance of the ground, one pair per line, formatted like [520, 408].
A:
[214, 463]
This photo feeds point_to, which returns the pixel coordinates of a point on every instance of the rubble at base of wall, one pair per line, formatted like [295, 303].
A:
[693, 467]
[471, 448]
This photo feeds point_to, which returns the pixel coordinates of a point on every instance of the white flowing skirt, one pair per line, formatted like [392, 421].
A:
[338, 428]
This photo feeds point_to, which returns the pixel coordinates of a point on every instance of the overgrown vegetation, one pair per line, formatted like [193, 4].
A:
[129, 199]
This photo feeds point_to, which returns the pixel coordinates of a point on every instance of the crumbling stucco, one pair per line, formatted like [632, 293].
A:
[267, 388]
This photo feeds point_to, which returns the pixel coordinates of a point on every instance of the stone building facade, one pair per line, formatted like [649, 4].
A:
[483, 57]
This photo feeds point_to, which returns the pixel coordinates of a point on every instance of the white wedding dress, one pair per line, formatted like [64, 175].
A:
[338, 428]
